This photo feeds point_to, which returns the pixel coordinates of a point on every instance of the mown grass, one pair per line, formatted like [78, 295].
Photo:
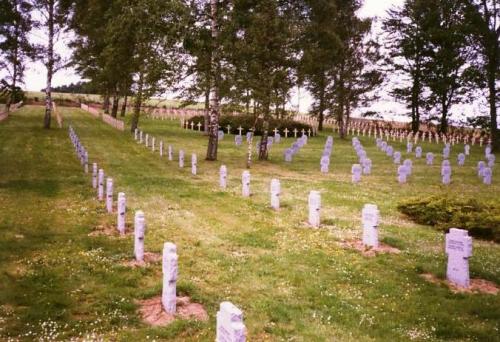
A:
[293, 283]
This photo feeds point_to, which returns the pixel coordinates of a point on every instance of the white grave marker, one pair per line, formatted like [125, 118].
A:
[139, 232]
[314, 208]
[170, 270]
[100, 185]
[109, 195]
[459, 250]
[275, 193]
[122, 207]
[245, 183]
[230, 327]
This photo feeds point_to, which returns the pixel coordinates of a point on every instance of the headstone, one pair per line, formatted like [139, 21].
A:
[245, 183]
[147, 140]
[100, 185]
[397, 157]
[238, 139]
[288, 155]
[467, 150]
[459, 250]
[314, 202]
[389, 151]
[325, 164]
[356, 171]
[170, 153]
[418, 152]
[230, 327]
[109, 195]
[249, 136]
[446, 151]
[140, 137]
[409, 166]
[161, 148]
[487, 172]
[446, 174]
[223, 177]
[170, 270]
[122, 207]
[139, 232]
[402, 174]
[367, 166]
[277, 138]
[487, 151]
[220, 135]
[181, 158]
[461, 159]
[86, 165]
[409, 147]
[275, 193]
[429, 158]
[194, 164]
[369, 220]
[491, 160]
[136, 134]
[94, 175]
[480, 168]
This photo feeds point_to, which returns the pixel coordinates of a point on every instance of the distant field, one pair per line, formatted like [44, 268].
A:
[98, 99]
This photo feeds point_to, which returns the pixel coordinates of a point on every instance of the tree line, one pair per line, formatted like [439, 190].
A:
[250, 54]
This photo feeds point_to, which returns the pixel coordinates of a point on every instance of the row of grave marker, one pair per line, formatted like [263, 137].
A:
[230, 327]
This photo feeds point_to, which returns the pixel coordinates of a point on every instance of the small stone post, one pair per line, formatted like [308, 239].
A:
[314, 208]
[122, 207]
[170, 268]
[139, 232]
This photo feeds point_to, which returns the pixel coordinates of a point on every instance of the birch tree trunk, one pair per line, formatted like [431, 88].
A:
[213, 125]
[50, 65]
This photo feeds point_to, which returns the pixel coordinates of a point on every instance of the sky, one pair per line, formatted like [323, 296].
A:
[35, 76]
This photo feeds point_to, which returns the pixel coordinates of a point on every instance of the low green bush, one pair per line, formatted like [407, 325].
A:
[481, 219]
[247, 122]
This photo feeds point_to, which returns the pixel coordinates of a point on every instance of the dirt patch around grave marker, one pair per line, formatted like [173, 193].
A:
[369, 251]
[152, 312]
[476, 285]
[149, 258]
[107, 229]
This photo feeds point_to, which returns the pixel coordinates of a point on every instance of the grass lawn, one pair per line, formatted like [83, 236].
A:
[293, 283]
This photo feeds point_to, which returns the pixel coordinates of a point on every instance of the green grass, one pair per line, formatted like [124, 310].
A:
[292, 283]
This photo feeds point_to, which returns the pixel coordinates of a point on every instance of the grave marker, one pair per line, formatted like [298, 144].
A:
[275, 193]
[170, 270]
[122, 205]
[94, 175]
[369, 220]
[109, 195]
[194, 164]
[181, 158]
[459, 250]
[139, 232]
[223, 176]
[314, 208]
[230, 327]
[245, 183]
[100, 185]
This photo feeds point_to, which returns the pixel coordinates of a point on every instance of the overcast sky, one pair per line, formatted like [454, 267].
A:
[36, 73]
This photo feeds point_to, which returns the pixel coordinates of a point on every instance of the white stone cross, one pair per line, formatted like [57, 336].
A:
[139, 232]
[459, 250]
[109, 195]
[240, 129]
[223, 177]
[275, 193]
[228, 129]
[192, 125]
[170, 270]
[230, 327]
[369, 220]
[275, 131]
[295, 131]
[199, 126]
[100, 185]
[286, 132]
[245, 183]
[314, 202]
[122, 207]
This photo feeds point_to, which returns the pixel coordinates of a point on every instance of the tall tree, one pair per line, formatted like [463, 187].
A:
[483, 17]
[446, 71]
[213, 122]
[53, 14]
[15, 47]
[320, 44]
[356, 73]
[406, 43]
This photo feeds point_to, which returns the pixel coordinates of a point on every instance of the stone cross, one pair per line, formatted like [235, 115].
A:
[122, 207]
[170, 153]
[170, 270]
[314, 202]
[325, 164]
[418, 152]
[303, 132]
[239, 130]
[109, 195]
[446, 173]
[245, 183]
[228, 129]
[223, 176]
[429, 158]
[308, 132]
[181, 158]
[402, 174]
[192, 125]
[356, 171]
[369, 220]
[275, 193]
[461, 159]
[275, 131]
[194, 164]
[487, 175]
[286, 132]
[100, 185]
[459, 250]
[94, 175]
[295, 131]
[139, 232]
[397, 157]
[230, 327]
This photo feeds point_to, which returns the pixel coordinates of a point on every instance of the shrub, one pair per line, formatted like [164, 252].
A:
[481, 219]
[246, 122]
